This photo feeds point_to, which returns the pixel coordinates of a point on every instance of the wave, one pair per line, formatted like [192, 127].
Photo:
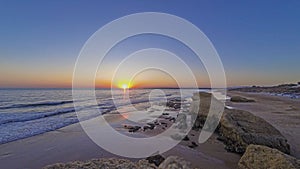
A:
[105, 108]
[37, 104]
[23, 117]
[17, 117]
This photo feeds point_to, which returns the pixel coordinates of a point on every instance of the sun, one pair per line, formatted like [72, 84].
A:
[125, 86]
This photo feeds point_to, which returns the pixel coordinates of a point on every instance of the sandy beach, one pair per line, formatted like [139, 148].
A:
[71, 143]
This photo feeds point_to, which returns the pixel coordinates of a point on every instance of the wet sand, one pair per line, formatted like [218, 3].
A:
[281, 112]
[71, 143]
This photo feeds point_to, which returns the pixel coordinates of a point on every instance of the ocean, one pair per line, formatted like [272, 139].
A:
[28, 112]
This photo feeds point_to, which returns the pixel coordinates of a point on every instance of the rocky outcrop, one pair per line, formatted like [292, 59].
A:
[200, 108]
[240, 99]
[238, 129]
[174, 162]
[171, 162]
[174, 103]
[112, 163]
[131, 128]
[262, 157]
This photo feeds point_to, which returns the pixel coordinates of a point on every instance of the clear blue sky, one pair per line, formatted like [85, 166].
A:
[258, 41]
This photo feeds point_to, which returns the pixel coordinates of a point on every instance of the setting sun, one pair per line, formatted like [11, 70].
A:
[124, 86]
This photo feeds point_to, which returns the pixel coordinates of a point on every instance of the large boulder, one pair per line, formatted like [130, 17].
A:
[262, 157]
[238, 129]
[200, 107]
[174, 162]
[181, 121]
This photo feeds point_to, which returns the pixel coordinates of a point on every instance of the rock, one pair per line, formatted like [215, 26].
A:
[238, 129]
[156, 159]
[131, 128]
[193, 145]
[177, 106]
[200, 108]
[110, 163]
[174, 103]
[174, 162]
[172, 119]
[262, 157]
[134, 129]
[181, 121]
[156, 122]
[240, 99]
[141, 164]
[147, 128]
[165, 114]
[164, 123]
[186, 138]
[177, 136]
[151, 125]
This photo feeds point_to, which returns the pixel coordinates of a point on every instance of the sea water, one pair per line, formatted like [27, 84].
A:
[28, 112]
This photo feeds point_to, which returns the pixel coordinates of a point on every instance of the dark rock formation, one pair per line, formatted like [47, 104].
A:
[240, 128]
[174, 103]
[240, 99]
[262, 157]
[193, 145]
[200, 108]
[156, 159]
[186, 138]
[132, 128]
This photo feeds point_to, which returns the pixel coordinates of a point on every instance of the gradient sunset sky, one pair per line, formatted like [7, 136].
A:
[257, 41]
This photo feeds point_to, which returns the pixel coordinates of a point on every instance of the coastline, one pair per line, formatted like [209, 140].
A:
[70, 143]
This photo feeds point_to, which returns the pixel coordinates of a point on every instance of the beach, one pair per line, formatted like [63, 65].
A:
[71, 143]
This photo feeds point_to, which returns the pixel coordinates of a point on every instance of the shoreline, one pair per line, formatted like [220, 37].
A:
[70, 143]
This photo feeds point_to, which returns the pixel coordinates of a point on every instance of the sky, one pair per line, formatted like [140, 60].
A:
[258, 41]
